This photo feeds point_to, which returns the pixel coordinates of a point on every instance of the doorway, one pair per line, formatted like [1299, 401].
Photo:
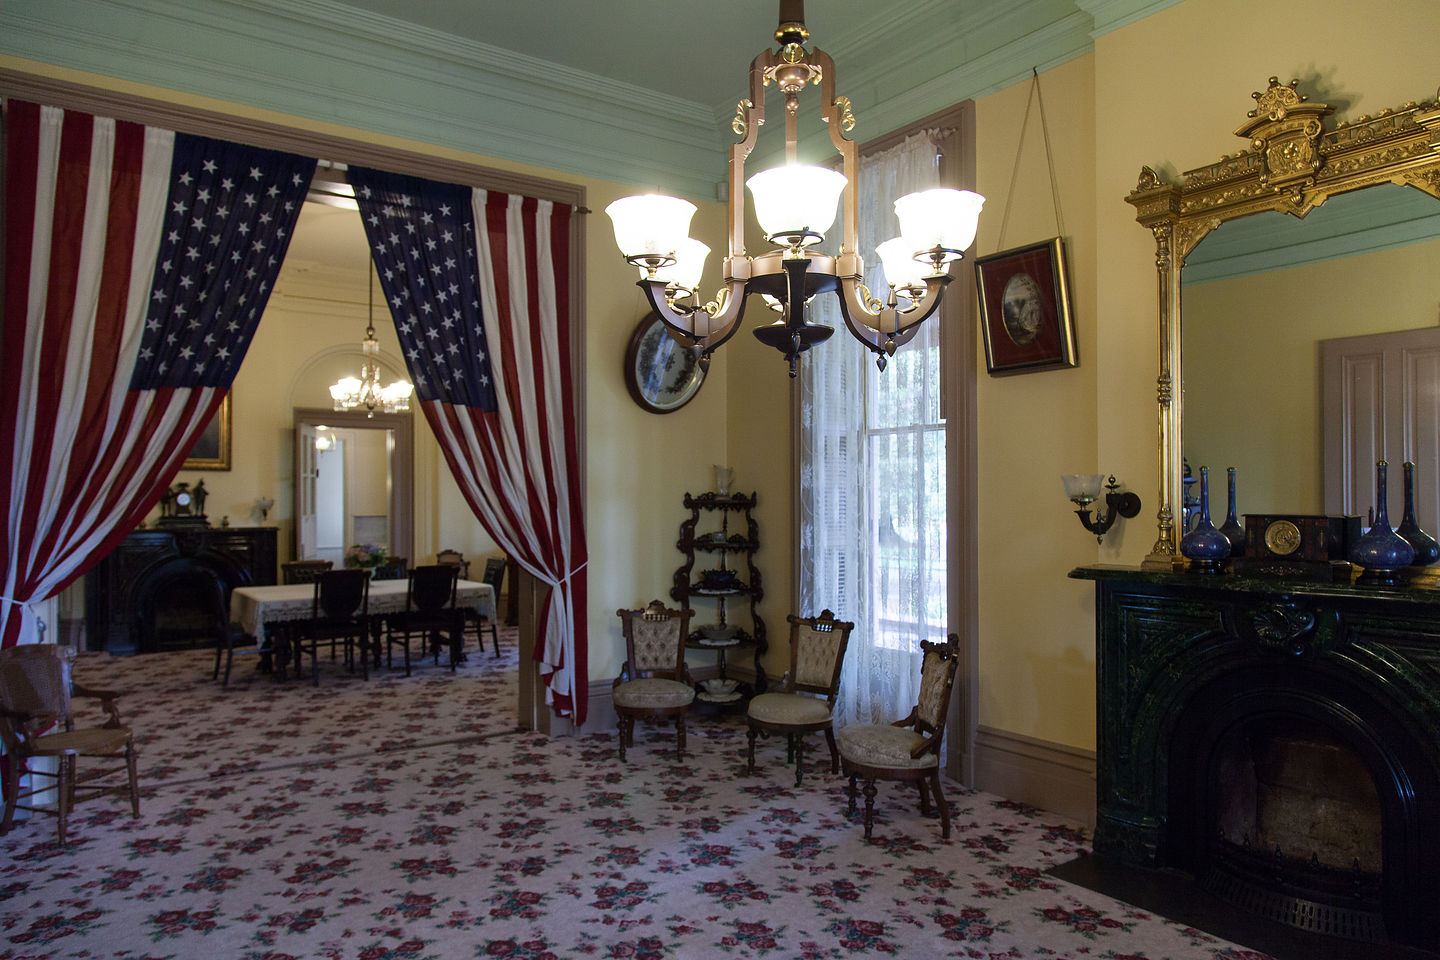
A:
[359, 488]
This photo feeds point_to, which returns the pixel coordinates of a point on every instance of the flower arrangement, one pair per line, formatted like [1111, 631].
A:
[367, 555]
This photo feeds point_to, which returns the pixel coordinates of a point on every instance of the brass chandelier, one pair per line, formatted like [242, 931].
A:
[350, 393]
[795, 205]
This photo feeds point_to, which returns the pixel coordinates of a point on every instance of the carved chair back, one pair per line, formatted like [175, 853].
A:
[655, 641]
[817, 653]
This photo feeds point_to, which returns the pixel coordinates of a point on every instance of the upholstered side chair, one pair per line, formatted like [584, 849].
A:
[805, 698]
[654, 683]
[36, 693]
[909, 749]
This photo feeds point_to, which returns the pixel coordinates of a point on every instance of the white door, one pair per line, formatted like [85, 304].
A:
[1381, 401]
[305, 473]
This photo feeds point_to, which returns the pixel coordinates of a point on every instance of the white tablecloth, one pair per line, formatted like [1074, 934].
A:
[253, 607]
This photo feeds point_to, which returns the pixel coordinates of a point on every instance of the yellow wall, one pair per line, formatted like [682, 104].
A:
[638, 464]
[1255, 341]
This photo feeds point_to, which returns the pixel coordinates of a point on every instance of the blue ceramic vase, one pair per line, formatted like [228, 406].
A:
[1381, 551]
[1231, 527]
[1206, 546]
[1427, 550]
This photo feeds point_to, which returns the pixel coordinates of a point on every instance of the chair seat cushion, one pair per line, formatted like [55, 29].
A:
[878, 745]
[788, 708]
[92, 741]
[653, 693]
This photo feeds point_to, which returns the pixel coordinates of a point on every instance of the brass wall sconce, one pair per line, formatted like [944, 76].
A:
[1083, 489]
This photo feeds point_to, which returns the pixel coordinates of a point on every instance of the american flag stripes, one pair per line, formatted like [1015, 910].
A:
[477, 283]
[138, 262]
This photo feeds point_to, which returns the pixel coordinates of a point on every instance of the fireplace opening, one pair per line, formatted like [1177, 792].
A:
[1296, 827]
[177, 609]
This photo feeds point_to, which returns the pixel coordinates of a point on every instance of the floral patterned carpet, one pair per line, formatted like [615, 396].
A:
[405, 819]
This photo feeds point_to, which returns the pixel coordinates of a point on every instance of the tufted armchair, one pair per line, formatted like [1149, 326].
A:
[654, 683]
[908, 749]
[806, 696]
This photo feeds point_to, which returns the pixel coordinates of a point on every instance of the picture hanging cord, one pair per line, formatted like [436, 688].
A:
[1033, 96]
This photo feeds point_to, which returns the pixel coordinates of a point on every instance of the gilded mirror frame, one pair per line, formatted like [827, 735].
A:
[1293, 165]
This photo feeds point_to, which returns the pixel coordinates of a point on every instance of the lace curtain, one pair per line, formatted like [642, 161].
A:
[872, 477]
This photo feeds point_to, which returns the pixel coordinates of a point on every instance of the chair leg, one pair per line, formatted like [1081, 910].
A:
[494, 637]
[64, 793]
[789, 748]
[799, 757]
[219, 649]
[940, 802]
[869, 791]
[750, 751]
[621, 734]
[10, 770]
[834, 751]
[134, 780]
[229, 662]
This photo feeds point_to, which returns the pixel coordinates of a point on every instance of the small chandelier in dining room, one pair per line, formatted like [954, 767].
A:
[795, 205]
[350, 393]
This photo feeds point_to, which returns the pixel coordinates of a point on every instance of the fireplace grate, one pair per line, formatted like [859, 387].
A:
[1323, 918]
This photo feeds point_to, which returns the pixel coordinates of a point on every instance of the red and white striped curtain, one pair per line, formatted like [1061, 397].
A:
[137, 263]
[478, 285]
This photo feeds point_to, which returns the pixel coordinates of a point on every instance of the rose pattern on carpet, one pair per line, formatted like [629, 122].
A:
[405, 819]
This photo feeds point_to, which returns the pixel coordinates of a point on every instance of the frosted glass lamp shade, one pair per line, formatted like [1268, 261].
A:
[650, 226]
[689, 264]
[942, 218]
[1082, 488]
[344, 387]
[795, 203]
[397, 392]
[902, 270]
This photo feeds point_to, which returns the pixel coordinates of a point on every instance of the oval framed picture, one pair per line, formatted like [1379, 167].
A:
[662, 375]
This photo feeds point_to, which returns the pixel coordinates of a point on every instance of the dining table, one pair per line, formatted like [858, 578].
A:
[266, 611]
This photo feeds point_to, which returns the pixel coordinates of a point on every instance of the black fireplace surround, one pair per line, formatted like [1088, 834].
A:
[155, 591]
[1189, 665]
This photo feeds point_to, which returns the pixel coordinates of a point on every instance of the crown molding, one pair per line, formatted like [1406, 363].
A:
[328, 61]
[1113, 14]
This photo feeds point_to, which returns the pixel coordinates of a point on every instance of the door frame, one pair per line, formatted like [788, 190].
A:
[402, 465]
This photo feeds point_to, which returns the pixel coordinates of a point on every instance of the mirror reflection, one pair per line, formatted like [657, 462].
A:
[1260, 295]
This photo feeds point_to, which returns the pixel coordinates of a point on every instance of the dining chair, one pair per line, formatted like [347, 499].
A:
[493, 576]
[804, 700]
[229, 635]
[394, 568]
[908, 749]
[339, 612]
[455, 558]
[303, 571]
[430, 611]
[654, 683]
[36, 694]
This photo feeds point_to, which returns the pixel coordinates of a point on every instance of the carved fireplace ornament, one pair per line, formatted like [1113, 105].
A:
[1293, 164]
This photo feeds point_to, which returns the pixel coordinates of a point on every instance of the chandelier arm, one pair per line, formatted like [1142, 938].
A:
[680, 322]
[883, 330]
[835, 111]
[749, 117]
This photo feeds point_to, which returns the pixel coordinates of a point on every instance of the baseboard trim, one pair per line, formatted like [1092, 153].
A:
[1052, 776]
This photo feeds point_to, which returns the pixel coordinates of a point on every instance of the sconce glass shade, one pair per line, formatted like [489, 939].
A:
[650, 226]
[1082, 488]
[902, 270]
[796, 202]
[941, 218]
[684, 273]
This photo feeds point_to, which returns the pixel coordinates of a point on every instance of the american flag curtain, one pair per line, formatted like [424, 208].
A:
[137, 264]
[477, 284]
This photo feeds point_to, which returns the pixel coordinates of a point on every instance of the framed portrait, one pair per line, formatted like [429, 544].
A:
[1025, 308]
[662, 376]
[212, 450]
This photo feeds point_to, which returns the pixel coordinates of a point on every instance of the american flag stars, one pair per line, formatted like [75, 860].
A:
[230, 213]
[422, 234]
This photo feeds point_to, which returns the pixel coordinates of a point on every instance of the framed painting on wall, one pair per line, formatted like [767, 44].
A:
[212, 450]
[1025, 308]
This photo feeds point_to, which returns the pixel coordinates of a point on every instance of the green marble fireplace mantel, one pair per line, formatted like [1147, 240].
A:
[1185, 661]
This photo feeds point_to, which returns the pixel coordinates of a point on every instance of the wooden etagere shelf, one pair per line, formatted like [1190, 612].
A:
[725, 548]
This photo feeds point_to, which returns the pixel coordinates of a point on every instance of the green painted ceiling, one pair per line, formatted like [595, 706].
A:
[636, 91]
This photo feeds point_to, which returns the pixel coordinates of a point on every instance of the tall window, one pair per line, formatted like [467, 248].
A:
[872, 542]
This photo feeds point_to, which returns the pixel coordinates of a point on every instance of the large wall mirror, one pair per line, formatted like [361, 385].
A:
[1306, 249]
